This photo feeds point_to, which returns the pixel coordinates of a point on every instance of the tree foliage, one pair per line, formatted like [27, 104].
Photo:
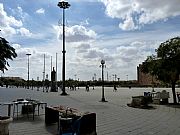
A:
[165, 65]
[6, 52]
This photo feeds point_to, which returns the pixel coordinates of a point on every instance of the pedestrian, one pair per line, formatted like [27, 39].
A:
[115, 89]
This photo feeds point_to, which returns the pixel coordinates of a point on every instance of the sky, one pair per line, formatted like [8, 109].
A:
[121, 32]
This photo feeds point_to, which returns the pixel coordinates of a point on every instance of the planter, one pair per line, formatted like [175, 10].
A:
[4, 123]
[140, 101]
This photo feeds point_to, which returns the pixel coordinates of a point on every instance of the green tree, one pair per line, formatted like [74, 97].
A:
[6, 52]
[165, 65]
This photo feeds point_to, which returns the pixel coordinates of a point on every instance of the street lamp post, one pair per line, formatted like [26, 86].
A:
[56, 73]
[95, 76]
[44, 72]
[115, 76]
[63, 5]
[28, 54]
[103, 66]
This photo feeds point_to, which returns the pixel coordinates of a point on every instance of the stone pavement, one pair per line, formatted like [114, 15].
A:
[113, 117]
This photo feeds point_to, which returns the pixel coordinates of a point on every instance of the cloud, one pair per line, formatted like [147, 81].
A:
[83, 48]
[128, 24]
[18, 12]
[18, 67]
[137, 13]
[85, 22]
[76, 33]
[6, 31]
[92, 54]
[8, 23]
[24, 32]
[134, 53]
[40, 11]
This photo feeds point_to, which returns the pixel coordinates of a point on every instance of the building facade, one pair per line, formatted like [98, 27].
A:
[145, 79]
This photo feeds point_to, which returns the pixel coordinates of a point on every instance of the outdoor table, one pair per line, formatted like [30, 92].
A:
[17, 103]
[9, 104]
[37, 103]
[27, 102]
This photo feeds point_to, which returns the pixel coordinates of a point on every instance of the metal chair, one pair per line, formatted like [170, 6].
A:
[66, 126]
[85, 125]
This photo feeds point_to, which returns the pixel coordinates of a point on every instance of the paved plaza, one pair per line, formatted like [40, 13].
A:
[113, 117]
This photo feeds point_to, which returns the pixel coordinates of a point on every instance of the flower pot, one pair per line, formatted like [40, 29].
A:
[4, 123]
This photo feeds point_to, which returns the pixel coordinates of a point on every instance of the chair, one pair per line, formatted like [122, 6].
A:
[65, 126]
[178, 96]
[85, 125]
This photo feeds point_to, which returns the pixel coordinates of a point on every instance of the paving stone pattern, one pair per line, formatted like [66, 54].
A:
[113, 117]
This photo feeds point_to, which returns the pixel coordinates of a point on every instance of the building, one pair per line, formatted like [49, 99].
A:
[145, 79]
[13, 78]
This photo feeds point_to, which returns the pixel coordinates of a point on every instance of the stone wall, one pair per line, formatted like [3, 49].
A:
[145, 79]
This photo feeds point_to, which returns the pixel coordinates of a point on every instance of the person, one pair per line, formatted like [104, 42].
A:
[87, 88]
[115, 89]
[178, 96]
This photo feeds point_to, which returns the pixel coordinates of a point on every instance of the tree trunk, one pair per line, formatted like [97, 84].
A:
[174, 92]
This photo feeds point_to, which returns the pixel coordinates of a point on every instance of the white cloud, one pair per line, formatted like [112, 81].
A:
[128, 24]
[93, 54]
[18, 12]
[18, 67]
[76, 33]
[40, 11]
[133, 53]
[135, 13]
[24, 32]
[6, 31]
[82, 48]
[85, 22]
[11, 26]
[7, 21]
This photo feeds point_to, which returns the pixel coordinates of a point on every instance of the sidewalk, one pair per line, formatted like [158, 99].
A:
[113, 117]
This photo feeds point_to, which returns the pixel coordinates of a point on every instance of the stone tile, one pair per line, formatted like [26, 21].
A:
[113, 117]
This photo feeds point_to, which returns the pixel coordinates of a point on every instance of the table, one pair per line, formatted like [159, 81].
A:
[26, 103]
[9, 104]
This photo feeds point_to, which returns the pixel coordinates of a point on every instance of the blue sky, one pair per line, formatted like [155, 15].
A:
[122, 32]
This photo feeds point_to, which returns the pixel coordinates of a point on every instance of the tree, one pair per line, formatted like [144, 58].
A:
[165, 65]
[6, 52]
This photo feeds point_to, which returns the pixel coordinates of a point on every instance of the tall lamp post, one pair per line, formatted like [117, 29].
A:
[63, 5]
[56, 73]
[103, 66]
[28, 54]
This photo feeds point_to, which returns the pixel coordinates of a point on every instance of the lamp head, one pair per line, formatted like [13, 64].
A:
[28, 54]
[102, 62]
[63, 4]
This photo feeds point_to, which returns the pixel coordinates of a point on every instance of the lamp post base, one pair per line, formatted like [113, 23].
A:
[64, 94]
[103, 100]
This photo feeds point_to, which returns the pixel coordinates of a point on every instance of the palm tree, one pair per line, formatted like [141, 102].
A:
[6, 52]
